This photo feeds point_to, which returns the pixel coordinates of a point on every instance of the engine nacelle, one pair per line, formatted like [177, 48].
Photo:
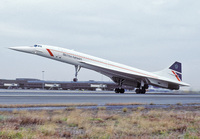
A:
[173, 87]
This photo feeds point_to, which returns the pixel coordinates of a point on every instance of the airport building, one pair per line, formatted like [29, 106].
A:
[27, 83]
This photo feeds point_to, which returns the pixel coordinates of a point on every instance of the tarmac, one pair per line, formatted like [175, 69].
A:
[101, 97]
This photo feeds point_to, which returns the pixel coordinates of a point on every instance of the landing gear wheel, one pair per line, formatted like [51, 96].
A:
[119, 90]
[122, 90]
[137, 91]
[75, 79]
[116, 90]
[143, 90]
[140, 91]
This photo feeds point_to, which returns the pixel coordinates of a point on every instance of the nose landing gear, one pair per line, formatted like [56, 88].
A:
[77, 69]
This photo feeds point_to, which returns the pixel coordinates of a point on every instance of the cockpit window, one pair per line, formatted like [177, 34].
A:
[37, 45]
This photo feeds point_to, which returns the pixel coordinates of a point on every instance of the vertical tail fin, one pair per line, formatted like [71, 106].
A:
[173, 72]
[176, 69]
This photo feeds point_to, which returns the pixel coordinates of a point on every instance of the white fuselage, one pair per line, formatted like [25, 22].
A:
[108, 68]
[77, 58]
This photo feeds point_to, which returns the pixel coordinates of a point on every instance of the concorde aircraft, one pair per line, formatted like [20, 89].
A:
[170, 78]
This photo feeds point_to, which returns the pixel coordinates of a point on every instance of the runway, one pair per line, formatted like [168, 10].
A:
[100, 98]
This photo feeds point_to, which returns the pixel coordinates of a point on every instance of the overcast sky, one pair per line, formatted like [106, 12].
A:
[146, 34]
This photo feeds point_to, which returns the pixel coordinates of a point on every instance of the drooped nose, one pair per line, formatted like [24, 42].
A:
[26, 49]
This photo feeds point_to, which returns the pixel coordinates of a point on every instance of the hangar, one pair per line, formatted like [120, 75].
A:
[29, 83]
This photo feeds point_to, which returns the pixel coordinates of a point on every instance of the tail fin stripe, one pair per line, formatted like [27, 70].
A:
[176, 75]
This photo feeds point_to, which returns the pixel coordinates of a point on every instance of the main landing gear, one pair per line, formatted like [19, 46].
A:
[142, 90]
[120, 89]
[77, 69]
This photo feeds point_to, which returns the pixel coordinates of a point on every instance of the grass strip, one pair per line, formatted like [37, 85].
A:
[124, 104]
[179, 122]
[46, 105]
